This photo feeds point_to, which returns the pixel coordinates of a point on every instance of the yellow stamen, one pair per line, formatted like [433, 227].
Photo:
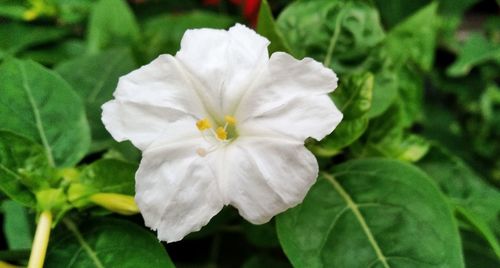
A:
[230, 120]
[203, 124]
[221, 133]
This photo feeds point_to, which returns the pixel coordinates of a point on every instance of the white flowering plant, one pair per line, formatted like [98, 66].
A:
[247, 133]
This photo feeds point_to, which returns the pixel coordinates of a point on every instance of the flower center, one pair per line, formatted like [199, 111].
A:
[218, 134]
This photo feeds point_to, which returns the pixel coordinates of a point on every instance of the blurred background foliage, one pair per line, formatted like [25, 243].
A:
[419, 82]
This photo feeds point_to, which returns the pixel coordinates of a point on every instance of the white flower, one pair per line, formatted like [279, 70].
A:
[221, 123]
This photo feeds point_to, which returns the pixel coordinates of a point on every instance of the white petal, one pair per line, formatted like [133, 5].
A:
[285, 82]
[302, 117]
[224, 62]
[142, 124]
[176, 190]
[265, 176]
[163, 83]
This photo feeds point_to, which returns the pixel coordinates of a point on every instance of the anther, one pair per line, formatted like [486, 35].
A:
[221, 133]
[230, 120]
[203, 124]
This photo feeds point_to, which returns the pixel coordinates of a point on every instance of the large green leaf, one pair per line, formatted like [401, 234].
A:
[415, 38]
[480, 202]
[16, 225]
[105, 242]
[111, 23]
[103, 176]
[341, 34]
[160, 39]
[94, 78]
[23, 166]
[371, 213]
[267, 27]
[37, 103]
[17, 36]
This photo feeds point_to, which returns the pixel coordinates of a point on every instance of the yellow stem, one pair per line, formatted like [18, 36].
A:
[41, 240]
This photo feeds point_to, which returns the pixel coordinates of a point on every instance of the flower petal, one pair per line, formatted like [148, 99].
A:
[287, 91]
[224, 62]
[163, 83]
[142, 124]
[301, 117]
[266, 176]
[176, 190]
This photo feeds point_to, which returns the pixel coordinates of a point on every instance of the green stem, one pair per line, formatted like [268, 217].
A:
[333, 40]
[41, 240]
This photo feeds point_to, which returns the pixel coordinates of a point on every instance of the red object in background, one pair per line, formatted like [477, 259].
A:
[251, 11]
[250, 8]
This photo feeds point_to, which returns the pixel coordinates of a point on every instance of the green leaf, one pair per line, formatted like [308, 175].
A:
[477, 253]
[13, 9]
[387, 136]
[16, 225]
[395, 11]
[23, 167]
[94, 78]
[347, 132]
[103, 176]
[62, 51]
[105, 242]
[371, 213]
[476, 50]
[17, 37]
[385, 91]
[354, 95]
[341, 34]
[39, 104]
[354, 99]
[166, 40]
[410, 88]
[267, 28]
[111, 23]
[481, 227]
[415, 38]
[464, 188]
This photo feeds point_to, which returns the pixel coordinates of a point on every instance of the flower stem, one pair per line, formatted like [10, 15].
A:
[41, 240]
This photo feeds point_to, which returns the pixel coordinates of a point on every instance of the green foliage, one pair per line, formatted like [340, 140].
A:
[160, 40]
[16, 225]
[267, 27]
[94, 78]
[339, 33]
[415, 38]
[102, 176]
[354, 99]
[23, 165]
[111, 23]
[353, 216]
[418, 83]
[17, 37]
[476, 200]
[475, 51]
[39, 104]
[106, 242]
